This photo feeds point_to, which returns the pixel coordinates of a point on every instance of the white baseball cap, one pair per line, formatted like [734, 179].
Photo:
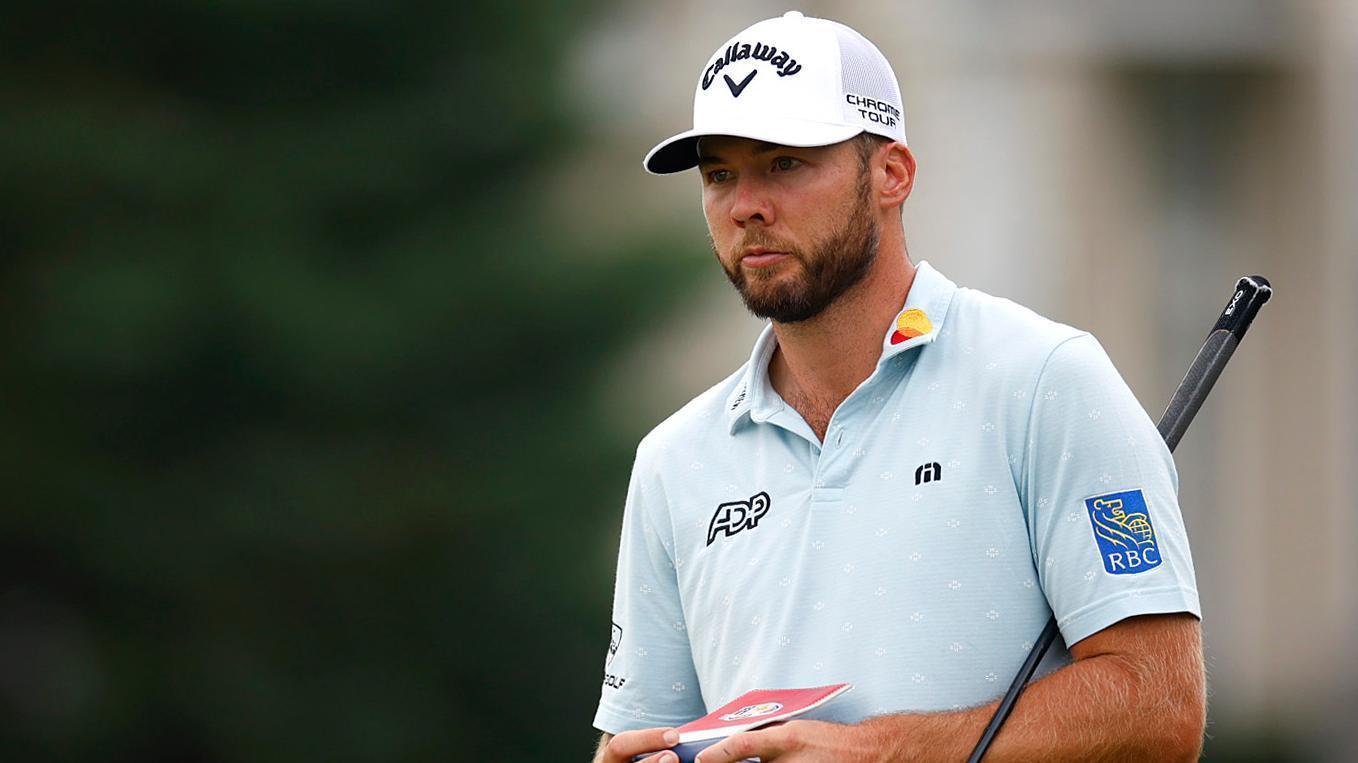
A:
[791, 80]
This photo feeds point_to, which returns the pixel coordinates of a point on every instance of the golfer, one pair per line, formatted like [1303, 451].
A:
[901, 485]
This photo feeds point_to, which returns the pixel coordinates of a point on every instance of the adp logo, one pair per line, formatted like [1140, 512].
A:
[731, 518]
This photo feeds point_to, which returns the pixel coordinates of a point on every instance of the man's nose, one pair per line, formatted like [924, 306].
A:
[751, 203]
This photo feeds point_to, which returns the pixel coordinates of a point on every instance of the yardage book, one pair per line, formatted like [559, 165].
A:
[750, 710]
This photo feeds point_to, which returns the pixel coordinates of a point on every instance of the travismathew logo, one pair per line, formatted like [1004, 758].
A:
[739, 51]
[735, 516]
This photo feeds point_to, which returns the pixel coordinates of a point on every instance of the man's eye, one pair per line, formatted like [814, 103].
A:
[719, 176]
[785, 163]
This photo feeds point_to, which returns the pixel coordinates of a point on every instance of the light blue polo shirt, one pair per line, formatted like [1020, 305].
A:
[989, 473]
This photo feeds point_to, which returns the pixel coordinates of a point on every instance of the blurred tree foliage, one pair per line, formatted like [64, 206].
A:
[300, 450]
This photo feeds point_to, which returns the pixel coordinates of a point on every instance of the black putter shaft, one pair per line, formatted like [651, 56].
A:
[1251, 292]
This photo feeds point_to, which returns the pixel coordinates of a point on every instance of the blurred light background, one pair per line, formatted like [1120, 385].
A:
[330, 327]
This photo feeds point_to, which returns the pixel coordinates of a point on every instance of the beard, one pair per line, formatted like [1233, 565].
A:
[829, 268]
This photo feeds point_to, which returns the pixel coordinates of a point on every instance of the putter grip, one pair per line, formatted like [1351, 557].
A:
[1251, 292]
[1206, 368]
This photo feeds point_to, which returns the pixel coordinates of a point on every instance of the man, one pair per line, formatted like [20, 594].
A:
[901, 485]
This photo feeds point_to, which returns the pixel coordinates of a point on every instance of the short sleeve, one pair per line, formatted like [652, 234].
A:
[649, 678]
[1101, 496]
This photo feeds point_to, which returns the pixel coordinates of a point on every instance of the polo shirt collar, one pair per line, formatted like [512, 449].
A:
[918, 323]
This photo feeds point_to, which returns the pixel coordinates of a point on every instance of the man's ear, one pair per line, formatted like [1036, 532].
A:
[898, 165]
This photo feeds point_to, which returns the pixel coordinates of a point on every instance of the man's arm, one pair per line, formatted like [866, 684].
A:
[602, 748]
[1136, 691]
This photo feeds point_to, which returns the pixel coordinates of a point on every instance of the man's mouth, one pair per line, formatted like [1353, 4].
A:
[759, 257]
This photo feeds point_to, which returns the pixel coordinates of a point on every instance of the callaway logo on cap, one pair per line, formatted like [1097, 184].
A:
[793, 80]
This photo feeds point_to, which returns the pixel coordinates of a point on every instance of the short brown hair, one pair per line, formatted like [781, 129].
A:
[866, 144]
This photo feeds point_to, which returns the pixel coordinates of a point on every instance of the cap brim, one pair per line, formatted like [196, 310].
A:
[680, 152]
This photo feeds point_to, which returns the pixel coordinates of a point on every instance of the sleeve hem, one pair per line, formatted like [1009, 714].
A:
[612, 721]
[1091, 619]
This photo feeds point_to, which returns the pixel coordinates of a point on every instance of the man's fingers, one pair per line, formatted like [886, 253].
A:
[629, 744]
[764, 744]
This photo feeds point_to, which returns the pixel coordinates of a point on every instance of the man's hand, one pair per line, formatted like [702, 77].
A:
[795, 742]
[629, 744]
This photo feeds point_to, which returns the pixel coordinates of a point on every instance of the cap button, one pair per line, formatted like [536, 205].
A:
[795, 15]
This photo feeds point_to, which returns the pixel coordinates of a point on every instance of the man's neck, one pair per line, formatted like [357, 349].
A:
[820, 361]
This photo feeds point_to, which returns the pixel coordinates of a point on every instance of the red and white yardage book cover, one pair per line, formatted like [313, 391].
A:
[751, 710]
[758, 708]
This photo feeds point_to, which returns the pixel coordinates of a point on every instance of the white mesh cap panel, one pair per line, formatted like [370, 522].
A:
[872, 98]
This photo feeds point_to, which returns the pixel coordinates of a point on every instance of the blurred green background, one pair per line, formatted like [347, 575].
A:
[302, 457]
[320, 354]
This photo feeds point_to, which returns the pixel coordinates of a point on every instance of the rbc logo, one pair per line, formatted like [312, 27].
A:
[1123, 530]
[735, 516]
